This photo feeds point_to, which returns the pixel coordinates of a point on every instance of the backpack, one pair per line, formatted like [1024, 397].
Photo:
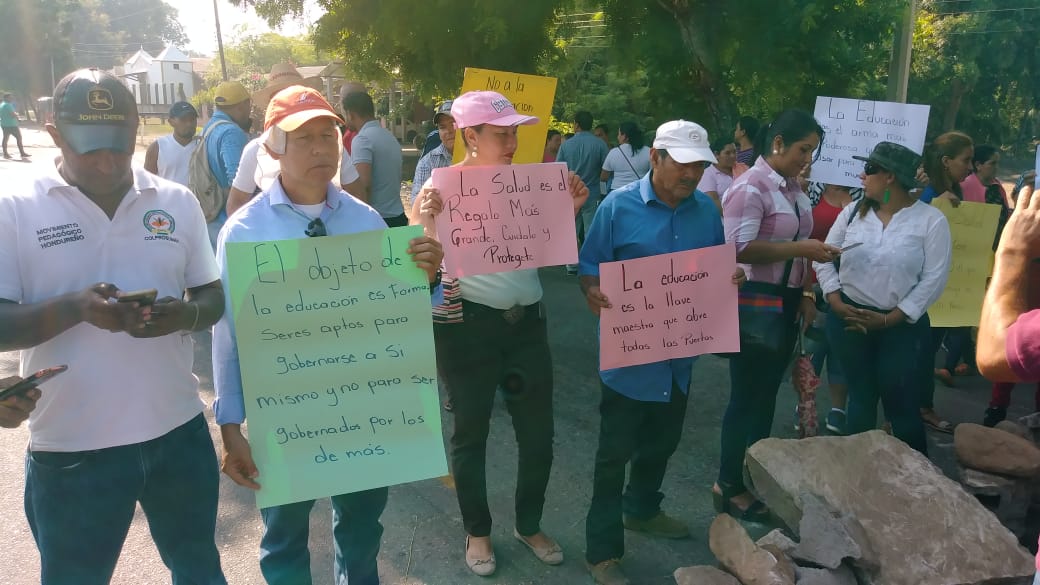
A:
[212, 197]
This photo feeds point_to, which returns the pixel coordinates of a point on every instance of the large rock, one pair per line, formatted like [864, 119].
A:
[735, 551]
[1019, 429]
[812, 576]
[703, 575]
[996, 451]
[828, 537]
[924, 528]
[778, 539]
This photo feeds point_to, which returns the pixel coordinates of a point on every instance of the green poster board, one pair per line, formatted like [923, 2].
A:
[335, 344]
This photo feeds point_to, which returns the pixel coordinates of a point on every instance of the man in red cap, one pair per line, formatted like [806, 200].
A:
[301, 134]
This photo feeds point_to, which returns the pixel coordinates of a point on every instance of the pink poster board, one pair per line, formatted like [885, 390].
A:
[669, 306]
[504, 218]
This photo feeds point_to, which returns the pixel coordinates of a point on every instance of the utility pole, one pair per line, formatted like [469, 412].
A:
[902, 45]
[220, 41]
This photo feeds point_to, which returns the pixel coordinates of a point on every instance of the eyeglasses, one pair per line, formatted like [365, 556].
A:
[871, 169]
[316, 228]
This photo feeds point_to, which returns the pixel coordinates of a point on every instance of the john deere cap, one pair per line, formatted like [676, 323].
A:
[95, 111]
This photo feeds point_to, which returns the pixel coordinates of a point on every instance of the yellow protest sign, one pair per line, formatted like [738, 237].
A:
[972, 227]
[532, 95]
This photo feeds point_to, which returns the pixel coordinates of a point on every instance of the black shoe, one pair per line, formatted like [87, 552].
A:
[756, 512]
[994, 414]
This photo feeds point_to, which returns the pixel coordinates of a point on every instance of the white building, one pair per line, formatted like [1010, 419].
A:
[159, 81]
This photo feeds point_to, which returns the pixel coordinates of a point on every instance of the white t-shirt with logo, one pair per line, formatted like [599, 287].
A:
[118, 390]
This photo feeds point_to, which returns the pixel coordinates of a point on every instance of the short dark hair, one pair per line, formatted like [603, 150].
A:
[551, 133]
[583, 119]
[750, 126]
[983, 153]
[719, 144]
[360, 103]
[604, 128]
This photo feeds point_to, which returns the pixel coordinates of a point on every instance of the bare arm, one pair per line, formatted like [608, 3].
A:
[363, 186]
[25, 325]
[1007, 295]
[236, 199]
[151, 158]
[763, 252]
[352, 188]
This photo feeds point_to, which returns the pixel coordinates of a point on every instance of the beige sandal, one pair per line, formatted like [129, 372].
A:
[550, 555]
[483, 567]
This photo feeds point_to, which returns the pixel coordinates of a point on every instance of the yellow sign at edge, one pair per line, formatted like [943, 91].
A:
[972, 229]
[532, 95]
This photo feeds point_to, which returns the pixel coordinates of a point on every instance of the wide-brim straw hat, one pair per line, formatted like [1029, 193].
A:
[282, 76]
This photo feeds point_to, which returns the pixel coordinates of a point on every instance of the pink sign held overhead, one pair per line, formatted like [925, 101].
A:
[504, 218]
[668, 306]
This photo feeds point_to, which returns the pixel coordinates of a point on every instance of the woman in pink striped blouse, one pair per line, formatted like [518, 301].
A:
[769, 218]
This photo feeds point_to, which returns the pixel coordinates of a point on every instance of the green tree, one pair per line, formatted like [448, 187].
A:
[427, 44]
[978, 65]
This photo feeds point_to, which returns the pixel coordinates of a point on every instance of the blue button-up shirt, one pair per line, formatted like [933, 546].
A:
[272, 216]
[224, 147]
[585, 154]
[633, 223]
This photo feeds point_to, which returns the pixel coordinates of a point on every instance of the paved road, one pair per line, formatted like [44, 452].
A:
[423, 542]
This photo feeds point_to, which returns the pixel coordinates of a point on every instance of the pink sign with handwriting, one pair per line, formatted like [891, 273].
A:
[669, 306]
[504, 218]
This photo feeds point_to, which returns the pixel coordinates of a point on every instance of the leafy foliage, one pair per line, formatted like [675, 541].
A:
[975, 61]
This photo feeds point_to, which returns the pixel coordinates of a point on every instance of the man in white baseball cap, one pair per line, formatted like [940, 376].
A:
[642, 408]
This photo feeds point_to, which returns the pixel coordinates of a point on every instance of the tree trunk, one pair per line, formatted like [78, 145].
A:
[694, 23]
[957, 91]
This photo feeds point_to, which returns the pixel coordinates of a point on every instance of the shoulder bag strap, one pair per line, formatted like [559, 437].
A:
[624, 156]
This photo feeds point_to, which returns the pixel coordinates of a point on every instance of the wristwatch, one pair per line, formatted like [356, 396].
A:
[809, 295]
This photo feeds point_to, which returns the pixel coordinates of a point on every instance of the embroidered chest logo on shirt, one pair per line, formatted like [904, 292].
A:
[160, 225]
[57, 235]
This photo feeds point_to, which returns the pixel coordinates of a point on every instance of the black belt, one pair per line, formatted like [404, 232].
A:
[512, 315]
[845, 299]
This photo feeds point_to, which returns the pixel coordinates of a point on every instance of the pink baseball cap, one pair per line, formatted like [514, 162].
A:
[474, 108]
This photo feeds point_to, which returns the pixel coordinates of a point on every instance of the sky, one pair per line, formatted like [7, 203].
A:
[234, 22]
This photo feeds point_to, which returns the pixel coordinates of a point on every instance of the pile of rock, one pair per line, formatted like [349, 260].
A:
[866, 510]
[1001, 466]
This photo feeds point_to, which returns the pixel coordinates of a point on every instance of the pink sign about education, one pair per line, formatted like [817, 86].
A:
[669, 306]
[505, 218]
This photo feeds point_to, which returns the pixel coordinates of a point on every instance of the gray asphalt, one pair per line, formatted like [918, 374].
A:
[423, 541]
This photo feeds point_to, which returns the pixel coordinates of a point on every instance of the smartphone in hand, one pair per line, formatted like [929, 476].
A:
[32, 381]
[144, 297]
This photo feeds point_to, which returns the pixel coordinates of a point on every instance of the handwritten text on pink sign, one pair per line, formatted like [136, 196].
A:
[503, 218]
[669, 306]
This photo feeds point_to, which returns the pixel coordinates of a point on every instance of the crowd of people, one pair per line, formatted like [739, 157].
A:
[856, 268]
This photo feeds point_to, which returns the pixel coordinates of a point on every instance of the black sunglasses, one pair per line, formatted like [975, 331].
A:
[871, 169]
[316, 228]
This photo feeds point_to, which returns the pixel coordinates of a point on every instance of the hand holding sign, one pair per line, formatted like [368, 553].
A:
[506, 217]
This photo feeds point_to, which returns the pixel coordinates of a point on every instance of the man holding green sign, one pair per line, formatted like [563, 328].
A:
[301, 134]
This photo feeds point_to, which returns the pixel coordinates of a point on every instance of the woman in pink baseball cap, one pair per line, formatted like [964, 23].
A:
[491, 333]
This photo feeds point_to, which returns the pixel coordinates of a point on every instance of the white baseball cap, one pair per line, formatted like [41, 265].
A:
[686, 142]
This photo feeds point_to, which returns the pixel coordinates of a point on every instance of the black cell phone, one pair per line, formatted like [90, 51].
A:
[32, 381]
[143, 297]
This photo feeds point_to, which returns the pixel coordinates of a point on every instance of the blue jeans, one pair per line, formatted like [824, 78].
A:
[285, 558]
[883, 365]
[80, 505]
[583, 221]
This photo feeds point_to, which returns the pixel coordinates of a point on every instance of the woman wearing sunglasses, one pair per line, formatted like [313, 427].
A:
[881, 290]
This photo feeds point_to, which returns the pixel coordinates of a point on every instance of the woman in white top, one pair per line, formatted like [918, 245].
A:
[895, 265]
[629, 161]
[495, 336]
